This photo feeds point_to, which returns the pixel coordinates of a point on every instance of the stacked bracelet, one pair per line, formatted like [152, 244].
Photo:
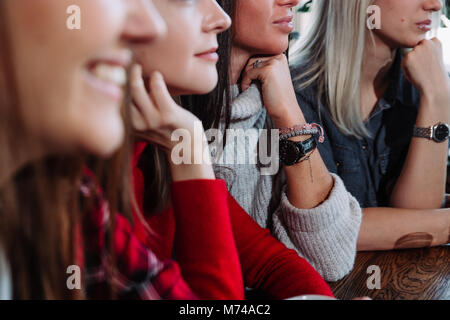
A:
[303, 130]
[297, 133]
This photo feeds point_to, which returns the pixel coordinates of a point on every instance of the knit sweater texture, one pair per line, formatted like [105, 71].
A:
[326, 236]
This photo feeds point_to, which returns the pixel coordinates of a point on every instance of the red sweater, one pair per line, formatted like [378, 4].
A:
[197, 228]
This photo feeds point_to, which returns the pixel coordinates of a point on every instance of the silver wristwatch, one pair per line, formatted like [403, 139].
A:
[438, 133]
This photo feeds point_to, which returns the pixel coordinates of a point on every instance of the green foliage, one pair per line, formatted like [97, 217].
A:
[306, 7]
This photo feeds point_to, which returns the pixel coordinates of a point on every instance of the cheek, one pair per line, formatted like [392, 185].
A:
[194, 76]
[249, 28]
[61, 107]
[259, 36]
[88, 121]
[101, 20]
[171, 58]
[99, 132]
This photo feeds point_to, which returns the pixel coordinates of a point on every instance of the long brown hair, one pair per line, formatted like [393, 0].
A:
[40, 206]
[153, 162]
[209, 108]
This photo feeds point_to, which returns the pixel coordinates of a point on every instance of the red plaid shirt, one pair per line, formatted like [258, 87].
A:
[138, 273]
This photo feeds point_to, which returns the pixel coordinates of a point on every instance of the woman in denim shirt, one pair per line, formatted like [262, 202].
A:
[368, 97]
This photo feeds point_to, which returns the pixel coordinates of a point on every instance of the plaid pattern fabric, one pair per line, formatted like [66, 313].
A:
[138, 274]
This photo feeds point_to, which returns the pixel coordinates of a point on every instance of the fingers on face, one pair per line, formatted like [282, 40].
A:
[159, 91]
[138, 120]
[261, 63]
[255, 69]
[137, 88]
[249, 76]
[142, 105]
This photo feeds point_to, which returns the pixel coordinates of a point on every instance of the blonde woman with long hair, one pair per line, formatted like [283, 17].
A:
[385, 113]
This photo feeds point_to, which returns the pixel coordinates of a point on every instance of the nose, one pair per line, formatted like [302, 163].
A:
[432, 5]
[143, 23]
[288, 3]
[216, 20]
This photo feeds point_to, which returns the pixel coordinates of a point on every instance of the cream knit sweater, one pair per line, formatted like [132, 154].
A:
[325, 236]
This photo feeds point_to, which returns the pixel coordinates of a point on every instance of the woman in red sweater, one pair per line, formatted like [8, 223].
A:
[180, 216]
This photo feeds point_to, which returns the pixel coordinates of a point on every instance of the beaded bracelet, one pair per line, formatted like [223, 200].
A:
[298, 133]
[305, 129]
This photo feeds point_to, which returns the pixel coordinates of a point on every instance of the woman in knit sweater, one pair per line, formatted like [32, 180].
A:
[304, 206]
[188, 63]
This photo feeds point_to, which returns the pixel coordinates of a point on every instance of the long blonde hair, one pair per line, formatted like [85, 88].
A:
[331, 56]
[334, 59]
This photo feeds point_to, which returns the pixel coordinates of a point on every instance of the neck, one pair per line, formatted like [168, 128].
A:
[239, 59]
[377, 63]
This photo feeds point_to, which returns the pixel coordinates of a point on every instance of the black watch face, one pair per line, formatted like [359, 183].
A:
[288, 152]
[441, 133]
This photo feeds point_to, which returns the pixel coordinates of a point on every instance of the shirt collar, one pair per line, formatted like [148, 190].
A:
[400, 91]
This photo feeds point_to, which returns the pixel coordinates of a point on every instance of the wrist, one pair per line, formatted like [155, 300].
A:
[434, 107]
[190, 158]
[437, 94]
[290, 118]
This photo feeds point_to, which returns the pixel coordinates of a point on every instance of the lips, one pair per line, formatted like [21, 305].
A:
[108, 74]
[424, 25]
[209, 55]
[287, 19]
[286, 24]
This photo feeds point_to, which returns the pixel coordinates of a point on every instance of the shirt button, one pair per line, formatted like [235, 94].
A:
[364, 147]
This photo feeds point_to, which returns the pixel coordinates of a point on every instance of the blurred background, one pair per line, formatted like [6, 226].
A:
[303, 14]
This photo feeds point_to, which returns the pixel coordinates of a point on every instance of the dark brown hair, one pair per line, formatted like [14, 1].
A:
[153, 162]
[207, 107]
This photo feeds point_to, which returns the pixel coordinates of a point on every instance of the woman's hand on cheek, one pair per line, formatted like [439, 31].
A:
[155, 115]
[424, 68]
[277, 89]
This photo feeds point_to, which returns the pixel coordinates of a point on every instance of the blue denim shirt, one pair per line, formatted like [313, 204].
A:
[369, 167]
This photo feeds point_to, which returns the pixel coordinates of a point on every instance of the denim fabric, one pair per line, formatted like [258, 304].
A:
[369, 167]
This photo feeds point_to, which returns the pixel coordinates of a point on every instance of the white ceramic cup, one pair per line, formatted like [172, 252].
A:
[311, 297]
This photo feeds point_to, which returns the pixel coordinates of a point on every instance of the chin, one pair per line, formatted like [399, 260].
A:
[106, 142]
[276, 48]
[207, 88]
[413, 42]
[201, 86]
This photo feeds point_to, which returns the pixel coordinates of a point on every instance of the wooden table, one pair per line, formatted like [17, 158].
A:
[417, 274]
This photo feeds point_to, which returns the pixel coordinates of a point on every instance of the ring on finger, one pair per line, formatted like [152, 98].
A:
[257, 64]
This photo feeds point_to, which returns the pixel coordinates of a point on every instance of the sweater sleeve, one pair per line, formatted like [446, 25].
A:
[268, 266]
[205, 248]
[326, 235]
[140, 274]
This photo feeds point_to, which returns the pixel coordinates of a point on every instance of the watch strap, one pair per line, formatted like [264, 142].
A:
[303, 148]
[426, 133]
